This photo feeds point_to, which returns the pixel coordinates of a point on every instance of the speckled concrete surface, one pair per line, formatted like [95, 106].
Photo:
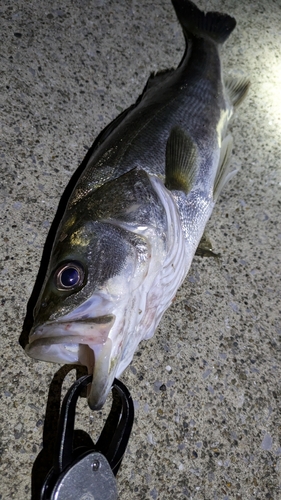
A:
[207, 386]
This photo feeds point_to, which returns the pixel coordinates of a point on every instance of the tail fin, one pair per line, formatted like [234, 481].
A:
[212, 24]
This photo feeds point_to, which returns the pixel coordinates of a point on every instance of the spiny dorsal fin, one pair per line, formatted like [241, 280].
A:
[157, 78]
[223, 173]
[181, 164]
[237, 89]
[195, 22]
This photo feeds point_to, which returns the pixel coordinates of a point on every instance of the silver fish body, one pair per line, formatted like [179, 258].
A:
[138, 212]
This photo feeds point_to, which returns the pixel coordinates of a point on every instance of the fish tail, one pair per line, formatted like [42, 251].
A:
[195, 22]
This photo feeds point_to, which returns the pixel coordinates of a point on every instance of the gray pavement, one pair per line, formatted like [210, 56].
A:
[207, 386]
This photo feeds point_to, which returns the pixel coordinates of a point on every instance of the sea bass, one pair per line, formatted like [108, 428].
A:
[138, 211]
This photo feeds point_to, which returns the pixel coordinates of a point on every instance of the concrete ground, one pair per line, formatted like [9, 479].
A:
[207, 386]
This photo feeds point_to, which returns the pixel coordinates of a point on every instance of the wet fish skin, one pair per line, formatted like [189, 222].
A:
[138, 211]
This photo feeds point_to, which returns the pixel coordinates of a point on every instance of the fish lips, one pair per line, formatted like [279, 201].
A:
[85, 342]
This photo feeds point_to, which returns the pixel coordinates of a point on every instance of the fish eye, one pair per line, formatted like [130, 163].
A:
[69, 276]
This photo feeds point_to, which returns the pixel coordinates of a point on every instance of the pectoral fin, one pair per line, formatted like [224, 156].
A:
[181, 164]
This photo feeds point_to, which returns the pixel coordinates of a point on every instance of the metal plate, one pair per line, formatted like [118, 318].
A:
[91, 478]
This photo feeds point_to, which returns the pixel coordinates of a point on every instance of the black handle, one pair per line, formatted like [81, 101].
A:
[112, 442]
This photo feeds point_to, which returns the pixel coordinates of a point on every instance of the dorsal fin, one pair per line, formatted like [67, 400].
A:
[181, 161]
[237, 89]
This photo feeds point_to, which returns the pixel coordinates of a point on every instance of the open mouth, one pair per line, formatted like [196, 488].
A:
[84, 342]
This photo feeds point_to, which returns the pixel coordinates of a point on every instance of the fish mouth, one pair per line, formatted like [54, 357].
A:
[84, 342]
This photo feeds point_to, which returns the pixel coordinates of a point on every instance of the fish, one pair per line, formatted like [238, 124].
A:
[138, 211]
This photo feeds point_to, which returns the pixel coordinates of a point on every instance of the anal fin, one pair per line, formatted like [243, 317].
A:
[224, 174]
[237, 89]
[181, 161]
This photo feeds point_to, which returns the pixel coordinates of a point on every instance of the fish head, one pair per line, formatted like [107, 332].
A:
[81, 315]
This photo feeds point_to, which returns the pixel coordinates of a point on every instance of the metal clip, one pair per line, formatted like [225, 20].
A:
[88, 472]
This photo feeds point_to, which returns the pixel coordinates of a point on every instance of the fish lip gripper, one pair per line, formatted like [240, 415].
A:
[88, 472]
